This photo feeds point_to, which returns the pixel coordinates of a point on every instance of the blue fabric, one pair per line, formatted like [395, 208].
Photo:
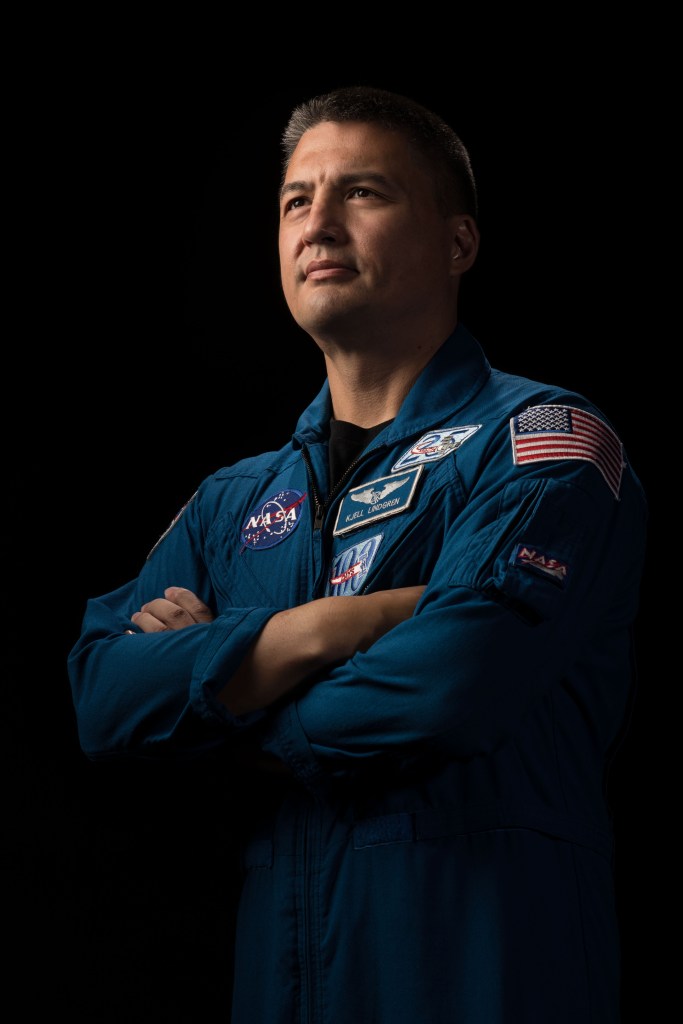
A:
[441, 848]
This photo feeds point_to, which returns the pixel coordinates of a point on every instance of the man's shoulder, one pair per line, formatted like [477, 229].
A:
[255, 466]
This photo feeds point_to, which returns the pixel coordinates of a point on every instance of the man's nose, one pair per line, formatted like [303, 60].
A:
[324, 223]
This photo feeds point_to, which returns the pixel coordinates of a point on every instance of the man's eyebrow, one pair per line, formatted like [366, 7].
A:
[344, 180]
[294, 186]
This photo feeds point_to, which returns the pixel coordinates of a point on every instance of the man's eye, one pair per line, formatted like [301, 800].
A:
[360, 192]
[295, 203]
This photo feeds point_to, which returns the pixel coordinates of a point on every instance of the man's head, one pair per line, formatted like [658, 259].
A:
[377, 223]
[433, 139]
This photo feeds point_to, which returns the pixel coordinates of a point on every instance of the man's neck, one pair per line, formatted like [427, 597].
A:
[369, 388]
[365, 398]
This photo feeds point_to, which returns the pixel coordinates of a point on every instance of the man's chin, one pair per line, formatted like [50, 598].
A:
[331, 312]
[335, 325]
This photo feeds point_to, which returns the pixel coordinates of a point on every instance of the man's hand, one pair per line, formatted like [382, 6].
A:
[294, 643]
[177, 609]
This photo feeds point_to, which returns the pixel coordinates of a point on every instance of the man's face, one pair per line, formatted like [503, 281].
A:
[363, 245]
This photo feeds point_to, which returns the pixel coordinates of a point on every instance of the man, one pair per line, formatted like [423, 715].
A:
[412, 624]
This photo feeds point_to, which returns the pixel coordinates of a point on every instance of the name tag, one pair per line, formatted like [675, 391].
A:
[376, 499]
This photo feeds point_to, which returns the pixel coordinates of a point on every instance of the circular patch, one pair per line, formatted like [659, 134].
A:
[272, 521]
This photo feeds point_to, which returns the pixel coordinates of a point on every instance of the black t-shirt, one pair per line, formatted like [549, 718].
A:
[347, 441]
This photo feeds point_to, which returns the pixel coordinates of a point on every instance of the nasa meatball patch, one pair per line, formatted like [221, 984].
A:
[272, 521]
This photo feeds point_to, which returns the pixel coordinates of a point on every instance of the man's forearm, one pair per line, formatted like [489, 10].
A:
[297, 642]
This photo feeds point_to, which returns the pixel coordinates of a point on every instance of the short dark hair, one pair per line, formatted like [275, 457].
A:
[433, 139]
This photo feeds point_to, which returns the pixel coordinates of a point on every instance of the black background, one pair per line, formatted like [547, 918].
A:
[160, 348]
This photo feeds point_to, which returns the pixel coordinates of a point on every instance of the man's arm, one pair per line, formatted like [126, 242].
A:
[293, 644]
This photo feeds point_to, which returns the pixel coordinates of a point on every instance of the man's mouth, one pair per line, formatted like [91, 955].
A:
[321, 270]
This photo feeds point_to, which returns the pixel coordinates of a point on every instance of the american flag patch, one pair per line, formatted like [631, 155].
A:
[545, 432]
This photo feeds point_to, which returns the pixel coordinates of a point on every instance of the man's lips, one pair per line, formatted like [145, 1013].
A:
[319, 270]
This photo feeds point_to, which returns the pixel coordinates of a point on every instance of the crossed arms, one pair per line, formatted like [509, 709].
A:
[294, 643]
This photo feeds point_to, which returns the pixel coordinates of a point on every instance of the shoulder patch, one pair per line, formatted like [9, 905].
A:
[555, 432]
[528, 556]
[171, 525]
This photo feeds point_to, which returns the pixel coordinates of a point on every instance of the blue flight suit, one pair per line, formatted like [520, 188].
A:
[441, 847]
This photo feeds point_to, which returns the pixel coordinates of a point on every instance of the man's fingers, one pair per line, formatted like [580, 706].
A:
[161, 614]
[190, 603]
[148, 622]
[177, 609]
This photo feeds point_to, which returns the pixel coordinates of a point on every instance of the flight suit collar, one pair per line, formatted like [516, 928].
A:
[448, 382]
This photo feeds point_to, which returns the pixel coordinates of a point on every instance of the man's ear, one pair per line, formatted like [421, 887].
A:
[465, 244]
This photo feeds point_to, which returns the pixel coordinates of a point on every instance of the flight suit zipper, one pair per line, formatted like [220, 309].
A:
[310, 994]
[321, 507]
